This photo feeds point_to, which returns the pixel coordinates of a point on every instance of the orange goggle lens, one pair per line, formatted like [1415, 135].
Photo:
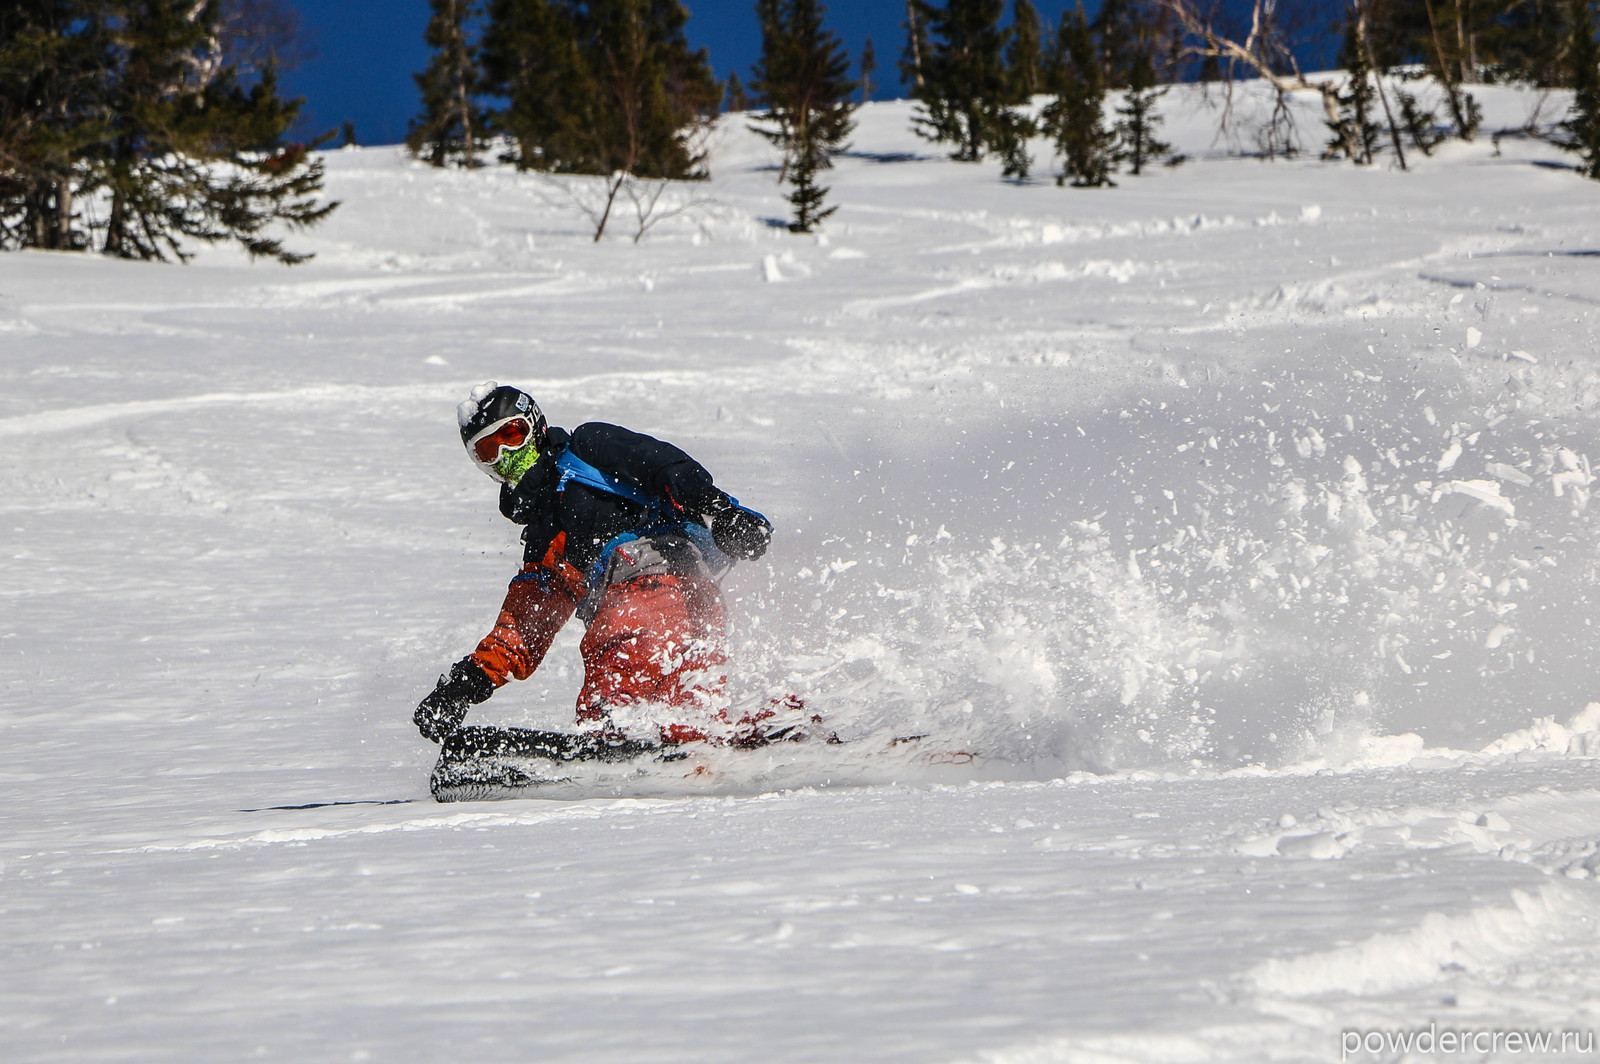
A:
[506, 436]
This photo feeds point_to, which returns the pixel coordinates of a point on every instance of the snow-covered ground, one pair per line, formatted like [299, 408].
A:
[1236, 518]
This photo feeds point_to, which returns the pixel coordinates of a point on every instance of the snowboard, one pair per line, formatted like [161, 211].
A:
[487, 764]
[478, 763]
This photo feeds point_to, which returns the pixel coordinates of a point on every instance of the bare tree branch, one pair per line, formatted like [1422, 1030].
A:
[595, 199]
[1256, 53]
[646, 196]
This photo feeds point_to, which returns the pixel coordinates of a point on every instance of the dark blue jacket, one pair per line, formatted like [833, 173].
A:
[592, 518]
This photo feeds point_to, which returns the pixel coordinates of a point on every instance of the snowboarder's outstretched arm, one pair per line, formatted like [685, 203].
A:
[540, 600]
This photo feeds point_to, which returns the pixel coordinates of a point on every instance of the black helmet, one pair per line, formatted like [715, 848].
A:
[503, 429]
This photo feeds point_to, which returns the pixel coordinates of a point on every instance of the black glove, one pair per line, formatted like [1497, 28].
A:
[740, 533]
[443, 710]
[737, 532]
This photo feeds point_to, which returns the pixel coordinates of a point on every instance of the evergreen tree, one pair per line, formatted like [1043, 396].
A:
[136, 103]
[808, 196]
[641, 97]
[1581, 130]
[868, 67]
[1013, 129]
[601, 87]
[918, 14]
[1024, 55]
[190, 152]
[964, 86]
[1137, 143]
[772, 80]
[1419, 122]
[1379, 43]
[734, 95]
[1442, 36]
[1075, 118]
[651, 92]
[1013, 126]
[1457, 27]
[1462, 42]
[1527, 41]
[452, 124]
[803, 77]
[530, 59]
[51, 55]
[1356, 132]
[1117, 34]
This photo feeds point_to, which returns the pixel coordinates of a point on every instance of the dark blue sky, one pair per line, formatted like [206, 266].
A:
[365, 52]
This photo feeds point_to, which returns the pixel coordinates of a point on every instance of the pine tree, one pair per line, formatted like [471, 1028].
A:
[808, 196]
[137, 104]
[1356, 133]
[803, 77]
[602, 87]
[51, 56]
[964, 85]
[1581, 130]
[918, 14]
[1376, 39]
[1117, 35]
[1024, 78]
[772, 81]
[530, 58]
[639, 98]
[1438, 35]
[1013, 130]
[734, 95]
[190, 152]
[452, 123]
[1527, 41]
[1136, 140]
[1024, 55]
[1458, 26]
[651, 93]
[868, 67]
[1455, 42]
[1419, 122]
[1075, 118]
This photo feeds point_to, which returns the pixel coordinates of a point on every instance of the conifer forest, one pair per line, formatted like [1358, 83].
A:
[131, 127]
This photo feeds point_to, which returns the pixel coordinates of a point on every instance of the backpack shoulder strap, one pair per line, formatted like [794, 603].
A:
[571, 467]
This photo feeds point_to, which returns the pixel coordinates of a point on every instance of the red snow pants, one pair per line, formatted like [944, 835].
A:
[656, 644]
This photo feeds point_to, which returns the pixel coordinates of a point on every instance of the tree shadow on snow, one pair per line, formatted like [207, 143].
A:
[889, 156]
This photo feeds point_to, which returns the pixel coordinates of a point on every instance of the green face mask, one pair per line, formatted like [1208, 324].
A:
[516, 464]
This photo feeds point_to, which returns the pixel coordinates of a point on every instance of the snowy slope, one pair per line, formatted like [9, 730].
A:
[1238, 517]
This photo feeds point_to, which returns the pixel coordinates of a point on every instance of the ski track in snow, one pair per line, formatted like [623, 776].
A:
[1236, 522]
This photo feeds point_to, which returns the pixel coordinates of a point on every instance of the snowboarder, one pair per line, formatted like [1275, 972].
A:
[629, 533]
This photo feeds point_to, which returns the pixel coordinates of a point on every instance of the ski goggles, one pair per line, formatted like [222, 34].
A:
[499, 439]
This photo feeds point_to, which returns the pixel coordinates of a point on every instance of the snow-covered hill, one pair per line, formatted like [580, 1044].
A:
[1238, 517]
